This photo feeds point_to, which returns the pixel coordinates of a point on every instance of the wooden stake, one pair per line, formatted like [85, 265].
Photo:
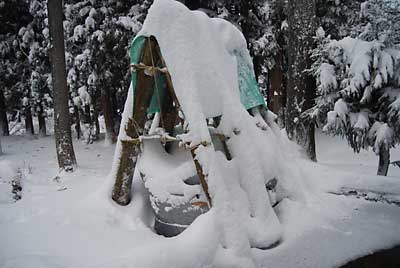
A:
[202, 177]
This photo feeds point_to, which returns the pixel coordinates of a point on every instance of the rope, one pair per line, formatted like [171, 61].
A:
[170, 87]
[136, 127]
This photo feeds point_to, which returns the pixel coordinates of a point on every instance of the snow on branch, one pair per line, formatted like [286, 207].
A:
[359, 91]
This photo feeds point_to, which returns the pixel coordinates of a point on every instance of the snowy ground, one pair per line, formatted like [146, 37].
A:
[67, 220]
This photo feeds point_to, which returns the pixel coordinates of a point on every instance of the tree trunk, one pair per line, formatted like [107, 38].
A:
[311, 142]
[127, 159]
[42, 122]
[275, 95]
[86, 116]
[87, 123]
[114, 109]
[1, 150]
[384, 160]
[96, 123]
[28, 121]
[77, 123]
[108, 116]
[4, 128]
[301, 86]
[62, 127]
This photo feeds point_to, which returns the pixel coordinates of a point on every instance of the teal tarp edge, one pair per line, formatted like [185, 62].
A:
[135, 54]
[160, 88]
[250, 95]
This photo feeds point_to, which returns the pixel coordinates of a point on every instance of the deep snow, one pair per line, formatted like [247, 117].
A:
[72, 223]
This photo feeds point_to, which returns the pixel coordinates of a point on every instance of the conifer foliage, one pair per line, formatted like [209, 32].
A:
[359, 82]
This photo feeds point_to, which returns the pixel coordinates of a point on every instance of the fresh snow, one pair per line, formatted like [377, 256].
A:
[200, 56]
[69, 219]
[66, 220]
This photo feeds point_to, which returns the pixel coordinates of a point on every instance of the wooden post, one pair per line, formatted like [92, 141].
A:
[201, 175]
[127, 161]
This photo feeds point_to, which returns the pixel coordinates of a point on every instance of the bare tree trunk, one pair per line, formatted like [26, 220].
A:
[86, 117]
[275, 101]
[62, 127]
[28, 121]
[42, 122]
[87, 123]
[77, 123]
[311, 152]
[108, 115]
[114, 109]
[96, 123]
[4, 128]
[276, 75]
[384, 161]
[301, 86]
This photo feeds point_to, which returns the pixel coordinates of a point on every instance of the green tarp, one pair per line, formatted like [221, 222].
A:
[250, 94]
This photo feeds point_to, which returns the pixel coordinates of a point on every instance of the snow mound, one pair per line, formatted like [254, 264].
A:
[201, 55]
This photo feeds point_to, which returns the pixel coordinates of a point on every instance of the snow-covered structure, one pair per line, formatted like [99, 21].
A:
[197, 125]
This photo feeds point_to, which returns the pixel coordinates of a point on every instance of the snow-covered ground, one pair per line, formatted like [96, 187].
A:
[68, 220]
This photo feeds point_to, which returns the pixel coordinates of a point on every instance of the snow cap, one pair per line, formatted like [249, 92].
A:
[202, 55]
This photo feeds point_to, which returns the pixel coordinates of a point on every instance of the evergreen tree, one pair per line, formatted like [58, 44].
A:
[359, 83]
[15, 69]
[338, 17]
[98, 40]
[35, 42]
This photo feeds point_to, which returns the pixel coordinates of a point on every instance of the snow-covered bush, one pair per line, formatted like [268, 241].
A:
[359, 92]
